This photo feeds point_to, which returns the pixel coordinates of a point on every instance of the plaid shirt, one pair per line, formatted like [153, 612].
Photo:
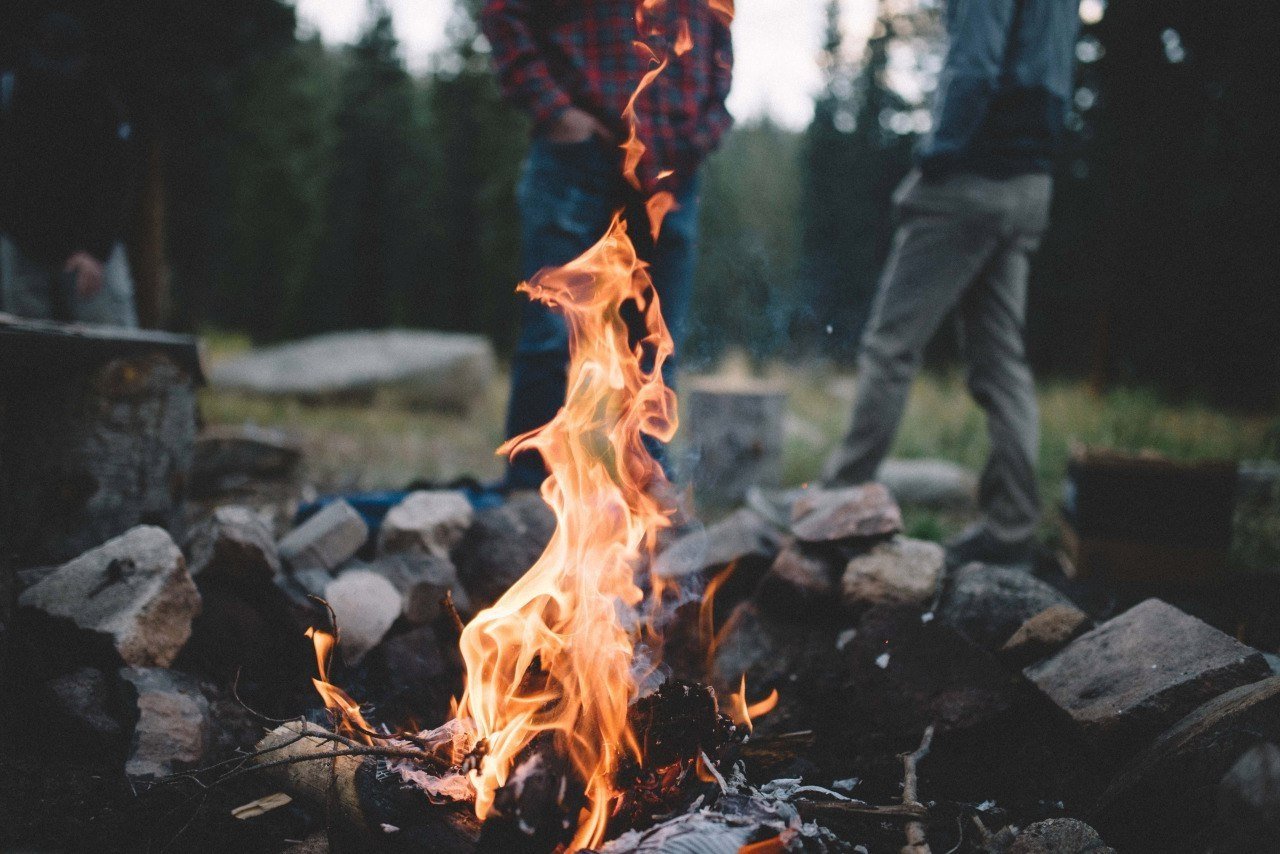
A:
[555, 54]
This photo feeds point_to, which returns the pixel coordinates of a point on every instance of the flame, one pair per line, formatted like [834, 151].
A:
[722, 9]
[658, 206]
[346, 711]
[633, 149]
[684, 40]
[744, 714]
[772, 845]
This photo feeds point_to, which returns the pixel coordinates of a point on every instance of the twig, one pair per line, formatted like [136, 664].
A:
[917, 842]
[451, 609]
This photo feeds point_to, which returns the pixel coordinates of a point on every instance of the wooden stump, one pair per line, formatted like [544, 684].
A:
[735, 434]
[96, 434]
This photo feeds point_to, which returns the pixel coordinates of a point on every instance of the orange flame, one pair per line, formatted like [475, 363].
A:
[744, 714]
[722, 9]
[633, 149]
[553, 653]
[346, 711]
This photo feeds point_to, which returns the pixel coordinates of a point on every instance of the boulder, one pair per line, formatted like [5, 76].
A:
[937, 484]
[501, 545]
[1059, 836]
[412, 677]
[436, 370]
[1249, 800]
[901, 571]
[233, 545]
[989, 603]
[1139, 672]
[829, 515]
[227, 456]
[429, 522]
[1044, 634]
[422, 580]
[365, 605]
[325, 541]
[802, 581]
[173, 731]
[87, 704]
[743, 535]
[133, 591]
[1165, 794]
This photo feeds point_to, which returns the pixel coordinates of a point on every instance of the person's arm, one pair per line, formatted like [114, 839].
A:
[979, 37]
[716, 119]
[522, 70]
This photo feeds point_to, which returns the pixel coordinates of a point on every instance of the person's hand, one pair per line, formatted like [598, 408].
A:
[576, 125]
[87, 271]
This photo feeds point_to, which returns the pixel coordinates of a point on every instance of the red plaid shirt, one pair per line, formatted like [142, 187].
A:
[556, 54]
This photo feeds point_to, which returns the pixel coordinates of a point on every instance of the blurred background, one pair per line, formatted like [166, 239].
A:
[343, 164]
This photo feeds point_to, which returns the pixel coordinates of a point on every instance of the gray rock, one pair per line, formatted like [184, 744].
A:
[173, 731]
[1162, 796]
[802, 582]
[429, 522]
[1249, 799]
[422, 580]
[1059, 836]
[325, 541]
[742, 535]
[1139, 672]
[89, 703]
[234, 545]
[830, 515]
[938, 484]
[902, 571]
[365, 605]
[227, 455]
[439, 370]
[501, 545]
[1044, 634]
[988, 603]
[134, 590]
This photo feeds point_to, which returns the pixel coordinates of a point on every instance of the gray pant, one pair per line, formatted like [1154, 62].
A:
[963, 241]
[31, 289]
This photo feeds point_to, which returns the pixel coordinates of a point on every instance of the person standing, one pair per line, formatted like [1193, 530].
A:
[571, 66]
[66, 166]
[970, 215]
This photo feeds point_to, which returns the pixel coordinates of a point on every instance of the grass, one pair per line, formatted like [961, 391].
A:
[383, 446]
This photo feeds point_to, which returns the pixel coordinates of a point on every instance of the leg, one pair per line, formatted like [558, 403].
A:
[993, 318]
[940, 247]
[564, 208]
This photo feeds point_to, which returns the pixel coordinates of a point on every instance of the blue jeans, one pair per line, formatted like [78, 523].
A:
[567, 195]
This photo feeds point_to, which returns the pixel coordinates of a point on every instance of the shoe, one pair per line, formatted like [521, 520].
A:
[977, 544]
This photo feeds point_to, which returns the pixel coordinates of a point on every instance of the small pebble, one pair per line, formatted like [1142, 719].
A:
[882, 660]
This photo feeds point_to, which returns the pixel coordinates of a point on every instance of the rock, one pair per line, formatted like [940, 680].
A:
[1249, 799]
[365, 605]
[501, 545]
[422, 581]
[1044, 634]
[173, 732]
[89, 705]
[134, 591]
[1139, 672]
[437, 370]
[1164, 795]
[428, 522]
[411, 677]
[745, 644]
[233, 544]
[1059, 836]
[226, 456]
[828, 515]
[802, 581]
[741, 536]
[901, 571]
[325, 541]
[937, 484]
[989, 603]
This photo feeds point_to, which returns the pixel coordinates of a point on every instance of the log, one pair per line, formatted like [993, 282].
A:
[367, 805]
[736, 431]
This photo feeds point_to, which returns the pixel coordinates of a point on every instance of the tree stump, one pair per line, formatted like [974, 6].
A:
[735, 434]
[97, 427]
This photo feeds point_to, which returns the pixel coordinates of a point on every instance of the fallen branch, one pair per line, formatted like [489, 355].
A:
[917, 842]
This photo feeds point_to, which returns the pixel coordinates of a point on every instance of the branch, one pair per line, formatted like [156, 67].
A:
[917, 842]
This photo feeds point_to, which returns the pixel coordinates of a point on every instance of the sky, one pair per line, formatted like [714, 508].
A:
[776, 44]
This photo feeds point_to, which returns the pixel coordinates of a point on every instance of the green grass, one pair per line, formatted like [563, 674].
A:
[381, 445]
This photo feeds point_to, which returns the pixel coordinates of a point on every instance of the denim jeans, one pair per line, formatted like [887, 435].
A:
[567, 195]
